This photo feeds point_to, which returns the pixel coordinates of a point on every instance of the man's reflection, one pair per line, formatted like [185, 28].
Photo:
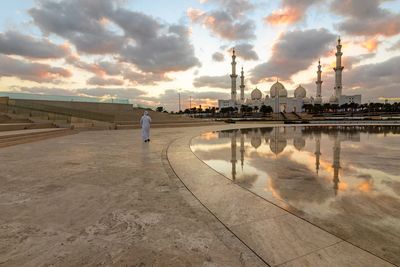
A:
[242, 150]
[336, 163]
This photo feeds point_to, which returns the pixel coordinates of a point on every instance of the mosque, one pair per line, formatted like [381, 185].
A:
[278, 139]
[278, 97]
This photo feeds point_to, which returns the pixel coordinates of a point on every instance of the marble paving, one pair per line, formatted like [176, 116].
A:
[105, 198]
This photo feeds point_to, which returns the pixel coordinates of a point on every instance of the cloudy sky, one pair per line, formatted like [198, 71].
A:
[148, 51]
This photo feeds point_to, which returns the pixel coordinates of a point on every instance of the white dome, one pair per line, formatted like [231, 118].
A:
[300, 92]
[318, 100]
[255, 142]
[256, 94]
[277, 145]
[332, 99]
[278, 89]
[299, 143]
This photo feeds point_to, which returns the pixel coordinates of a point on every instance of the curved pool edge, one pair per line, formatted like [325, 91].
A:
[275, 235]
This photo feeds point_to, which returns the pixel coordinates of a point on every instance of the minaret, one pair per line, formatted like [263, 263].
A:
[233, 154]
[336, 164]
[242, 149]
[319, 81]
[242, 86]
[317, 151]
[233, 78]
[338, 71]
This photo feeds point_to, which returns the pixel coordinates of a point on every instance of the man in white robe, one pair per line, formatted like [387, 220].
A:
[145, 122]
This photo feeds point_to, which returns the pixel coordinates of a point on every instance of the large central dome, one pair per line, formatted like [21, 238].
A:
[277, 89]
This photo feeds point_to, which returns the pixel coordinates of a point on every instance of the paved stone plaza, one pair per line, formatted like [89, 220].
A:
[106, 198]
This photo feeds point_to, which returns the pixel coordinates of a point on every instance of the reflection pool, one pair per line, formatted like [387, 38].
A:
[344, 179]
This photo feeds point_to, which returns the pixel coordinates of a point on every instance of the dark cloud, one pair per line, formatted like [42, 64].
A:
[37, 72]
[292, 11]
[366, 17]
[224, 25]
[151, 45]
[111, 68]
[100, 68]
[212, 81]
[235, 7]
[104, 68]
[167, 52]
[14, 43]
[80, 22]
[218, 56]
[358, 8]
[293, 52]
[228, 20]
[246, 52]
[89, 67]
[141, 27]
[349, 61]
[144, 78]
[101, 81]
[375, 75]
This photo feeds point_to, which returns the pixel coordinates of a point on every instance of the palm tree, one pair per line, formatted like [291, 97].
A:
[344, 107]
[308, 108]
[243, 108]
[327, 107]
[266, 109]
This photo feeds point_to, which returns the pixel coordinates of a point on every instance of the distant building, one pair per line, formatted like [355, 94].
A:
[278, 97]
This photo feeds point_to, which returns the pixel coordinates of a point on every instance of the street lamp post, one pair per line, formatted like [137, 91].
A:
[179, 94]
[190, 106]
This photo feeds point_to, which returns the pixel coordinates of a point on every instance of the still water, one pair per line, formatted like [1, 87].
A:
[345, 179]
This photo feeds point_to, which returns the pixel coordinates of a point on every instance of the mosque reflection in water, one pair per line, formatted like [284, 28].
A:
[278, 139]
[345, 179]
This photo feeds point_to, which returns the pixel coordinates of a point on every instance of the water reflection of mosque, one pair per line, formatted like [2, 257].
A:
[278, 137]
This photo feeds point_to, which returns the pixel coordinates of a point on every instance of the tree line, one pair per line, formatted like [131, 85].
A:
[352, 107]
[309, 108]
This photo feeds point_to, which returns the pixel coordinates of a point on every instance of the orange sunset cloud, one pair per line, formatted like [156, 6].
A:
[285, 16]
[371, 44]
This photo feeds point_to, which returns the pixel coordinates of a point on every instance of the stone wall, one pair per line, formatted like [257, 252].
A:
[4, 104]
[96, 111]
[108, 108]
